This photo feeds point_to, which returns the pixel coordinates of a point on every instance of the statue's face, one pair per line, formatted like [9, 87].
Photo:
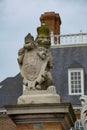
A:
[42, 52]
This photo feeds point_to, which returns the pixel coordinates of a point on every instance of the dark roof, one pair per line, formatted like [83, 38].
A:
[10, 90]
[64, 58]
[75, 64]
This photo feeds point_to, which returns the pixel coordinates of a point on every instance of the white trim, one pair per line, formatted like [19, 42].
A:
[68, 45]
[81, 70]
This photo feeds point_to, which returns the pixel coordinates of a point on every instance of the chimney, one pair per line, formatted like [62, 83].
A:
[53, 21]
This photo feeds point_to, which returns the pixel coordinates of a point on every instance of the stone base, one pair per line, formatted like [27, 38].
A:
[51, 116]
[39, 96]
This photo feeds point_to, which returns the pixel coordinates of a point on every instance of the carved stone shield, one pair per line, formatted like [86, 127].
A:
[31, 65]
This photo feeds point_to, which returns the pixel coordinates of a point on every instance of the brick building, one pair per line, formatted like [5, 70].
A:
[69, 73]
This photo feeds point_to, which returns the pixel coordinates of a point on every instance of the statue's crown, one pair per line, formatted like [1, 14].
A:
[43, 37]
[43, 30]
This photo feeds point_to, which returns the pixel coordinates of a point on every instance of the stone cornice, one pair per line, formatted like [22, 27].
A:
[40, 113]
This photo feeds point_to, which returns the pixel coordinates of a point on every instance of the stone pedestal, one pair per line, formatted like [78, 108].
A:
[58, 116]
[39, 96]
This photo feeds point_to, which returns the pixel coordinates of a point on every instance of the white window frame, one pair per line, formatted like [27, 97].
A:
[72, 70]
[78, 125]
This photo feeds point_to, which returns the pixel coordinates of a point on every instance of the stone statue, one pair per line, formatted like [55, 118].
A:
[35, 63]
[83, 99]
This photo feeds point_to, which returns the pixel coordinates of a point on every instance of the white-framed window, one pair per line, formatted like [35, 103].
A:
[78, 125]
[76, 81]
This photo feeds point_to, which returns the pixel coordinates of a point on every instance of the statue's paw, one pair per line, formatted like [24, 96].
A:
[51, 89]
[38, 87]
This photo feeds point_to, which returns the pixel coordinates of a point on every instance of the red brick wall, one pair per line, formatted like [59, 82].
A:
[25, 127]
[78, 116]
[44, 126]
[6, 123]
[52, 126]
[52, 20]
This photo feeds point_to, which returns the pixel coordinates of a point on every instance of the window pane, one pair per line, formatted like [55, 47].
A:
[72, 91]
[79, 73]
[75, 77]
[71, 73]
[79, 90]
[76, 91]
[71, 77]
[79, 77]
[79, 86]
[81, 128]
[79, 82]
[76, 83]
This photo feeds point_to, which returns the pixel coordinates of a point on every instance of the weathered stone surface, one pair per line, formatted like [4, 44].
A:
[39, 96]
[35, 63]
[27, 114]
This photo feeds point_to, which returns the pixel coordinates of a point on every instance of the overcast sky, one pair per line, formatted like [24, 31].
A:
[20, 17]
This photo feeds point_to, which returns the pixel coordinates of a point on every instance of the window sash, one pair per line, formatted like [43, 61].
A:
[76, 81]
[78, 125]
